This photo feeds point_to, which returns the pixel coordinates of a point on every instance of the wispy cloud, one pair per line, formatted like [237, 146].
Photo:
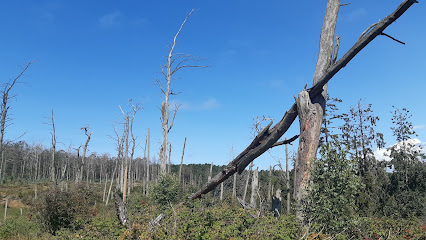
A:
[209, 104]
[419, 127]
[110, 20]
[356, 14]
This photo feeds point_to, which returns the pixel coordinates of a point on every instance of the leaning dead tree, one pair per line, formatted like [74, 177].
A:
[175, 62]
[269, 136]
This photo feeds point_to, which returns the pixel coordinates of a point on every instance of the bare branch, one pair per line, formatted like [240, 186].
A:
[345, 4]
[289, 141]
[384, 34]
[174, 115]
[367, 30]
[188, 66]
[336, 49]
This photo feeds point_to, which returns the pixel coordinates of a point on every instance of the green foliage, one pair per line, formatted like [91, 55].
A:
[166, 191]
[99, 228]
[15, 227]
[407, 191]
[331, 199]
[201, 220]
[387, 228]
[65, 209]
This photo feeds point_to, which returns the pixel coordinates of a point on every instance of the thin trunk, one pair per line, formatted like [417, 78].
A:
[105, 187]
[147, 164]
[247, 182]
[210, 173]
[221, 191]
[83, 157]
[254, 188]
[287, 180]
[5, 209]
[112, 181]
[170, 161]
[125, 185]
[234, 187]
[268, 198]
[52, 161]
[181, 161]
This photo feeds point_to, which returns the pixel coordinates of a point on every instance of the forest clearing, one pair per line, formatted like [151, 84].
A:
[349, 168]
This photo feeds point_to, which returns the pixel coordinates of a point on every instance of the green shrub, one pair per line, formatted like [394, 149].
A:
[15, 227]
[166, 191]
[66, 209]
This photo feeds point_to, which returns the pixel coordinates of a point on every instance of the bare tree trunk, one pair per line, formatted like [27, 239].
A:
[247, 182]
[170, 161]
[5, 209]
[287, 180]
[181, 161]
[147, 164]
[83, 157]
[210, 173]
[311, 112]
[52, 160]
[268, 198]
[221, 191]
[175, 62]
[254, 188]
[105, 187]
[234, 184]
[125, 185]
[35, 192]
[112, 181]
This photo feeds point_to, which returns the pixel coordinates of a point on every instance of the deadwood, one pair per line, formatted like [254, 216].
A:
[269, 136]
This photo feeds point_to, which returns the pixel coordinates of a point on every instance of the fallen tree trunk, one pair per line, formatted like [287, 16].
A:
[269, 136]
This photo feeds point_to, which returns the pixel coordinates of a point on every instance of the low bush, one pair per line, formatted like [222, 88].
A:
[66, 209]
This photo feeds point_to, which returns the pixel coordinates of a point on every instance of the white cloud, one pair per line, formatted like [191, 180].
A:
[419, 127]
[209, 104]
[110, 20]
[383, 154]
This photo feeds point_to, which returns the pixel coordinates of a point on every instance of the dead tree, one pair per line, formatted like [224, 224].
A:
[147, 163]
[83, 157]
[5, 95]
[181, 161]
[52, 159]
[175, 62]
[269, 136]
[135, 109]
[311, 110]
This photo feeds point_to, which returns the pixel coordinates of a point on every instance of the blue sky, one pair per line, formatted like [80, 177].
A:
[92, 57]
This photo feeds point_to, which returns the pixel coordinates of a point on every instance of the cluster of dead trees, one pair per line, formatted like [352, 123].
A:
[36, 162]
